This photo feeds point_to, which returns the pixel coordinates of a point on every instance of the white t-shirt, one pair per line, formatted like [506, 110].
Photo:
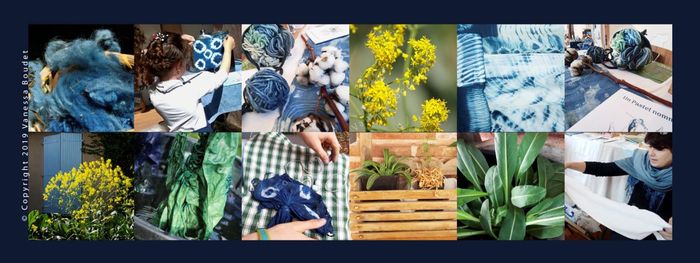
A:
[178, 101]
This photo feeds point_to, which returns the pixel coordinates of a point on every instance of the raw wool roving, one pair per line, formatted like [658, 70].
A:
[93, 93]
[630, 49]
[267, 45]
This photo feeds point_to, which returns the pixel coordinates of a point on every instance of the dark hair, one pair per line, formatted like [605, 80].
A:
[659, 141]
[165, 51]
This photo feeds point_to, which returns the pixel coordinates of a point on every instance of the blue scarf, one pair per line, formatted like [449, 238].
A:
[657, 181]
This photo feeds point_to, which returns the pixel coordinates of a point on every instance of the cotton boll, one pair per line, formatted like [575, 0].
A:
[302, 80]
[325, 80]
[340, 66]
[325, 61]
[576, 68]
[336, 52]
[337, 78]
[315, 73]
[343, 93]
[338, 105]
[302, 70]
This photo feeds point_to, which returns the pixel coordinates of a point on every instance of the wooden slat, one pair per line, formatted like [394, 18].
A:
[399, 216]
[403, 194]
[395, 206]
[404, 226]
[407, 235]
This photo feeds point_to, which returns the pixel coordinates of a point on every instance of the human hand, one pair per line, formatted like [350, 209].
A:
[316, 141]
[229, 43]
[667, 233]
[290, 231]
[189, 39]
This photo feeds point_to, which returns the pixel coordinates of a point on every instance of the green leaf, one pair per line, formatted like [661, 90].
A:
[485, 219]
[513, 227]
[465, 164]
[479, 160]
[549, 212]
[555, 183]
[526, 195]
[466, 232]
[500, 214]
[544, 171]
[507, 158]
[528, 151]
[546, 232]
[463, 215]
[467, 195]
[371, 179]
[494, 186]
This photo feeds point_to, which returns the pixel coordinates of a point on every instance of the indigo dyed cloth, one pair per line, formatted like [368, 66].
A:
[292, 200]
[584, 93]
[225, 99]
[208, 51]
[510, 77]
[270, 154]
[304, 99]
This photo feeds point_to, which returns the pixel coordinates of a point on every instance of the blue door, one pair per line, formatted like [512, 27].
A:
[62, 152]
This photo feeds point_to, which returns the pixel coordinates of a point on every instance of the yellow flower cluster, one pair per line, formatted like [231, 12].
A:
[379, 103]
[434, 113]
[422, 59]
[94, 190]
[385, 44]
[353, 29]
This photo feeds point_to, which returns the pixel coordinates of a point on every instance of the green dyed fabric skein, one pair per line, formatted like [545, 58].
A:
[198, 183]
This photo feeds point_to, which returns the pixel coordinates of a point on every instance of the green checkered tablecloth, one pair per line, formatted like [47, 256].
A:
[269, 154]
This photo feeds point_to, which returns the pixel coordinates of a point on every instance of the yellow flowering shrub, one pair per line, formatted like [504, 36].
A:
[420, 63]
[96, 196]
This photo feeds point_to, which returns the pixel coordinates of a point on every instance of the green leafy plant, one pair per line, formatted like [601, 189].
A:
[389, 167]
[521, 196]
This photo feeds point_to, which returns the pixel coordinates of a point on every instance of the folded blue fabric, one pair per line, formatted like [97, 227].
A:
[223, 100]
[209, 50]
[292, 200]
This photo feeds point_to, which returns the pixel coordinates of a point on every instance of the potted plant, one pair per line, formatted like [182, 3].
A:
[384, 175]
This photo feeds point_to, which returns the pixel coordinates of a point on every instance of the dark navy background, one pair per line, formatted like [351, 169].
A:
[17, 16]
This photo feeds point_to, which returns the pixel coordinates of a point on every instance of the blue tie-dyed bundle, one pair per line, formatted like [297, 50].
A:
[267, 45]
[209, 50]
[94, 92]
[292, 200]
[265, 91]
[511, 77]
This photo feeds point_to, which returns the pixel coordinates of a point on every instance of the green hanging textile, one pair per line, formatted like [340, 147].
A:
[197, 183]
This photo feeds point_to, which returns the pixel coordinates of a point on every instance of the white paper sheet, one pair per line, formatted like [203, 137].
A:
[627, 112]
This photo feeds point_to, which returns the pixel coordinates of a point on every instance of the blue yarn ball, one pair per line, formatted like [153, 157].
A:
[266, 90]
[267, 45]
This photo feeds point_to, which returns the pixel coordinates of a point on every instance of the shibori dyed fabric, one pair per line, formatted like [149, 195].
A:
[304, 100]
[208, 51]
[511, 77]
[292, 200]
[270, 154]
[225, 99]
[584, 93]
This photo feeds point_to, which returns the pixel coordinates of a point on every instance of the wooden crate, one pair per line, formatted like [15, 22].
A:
[403, 214]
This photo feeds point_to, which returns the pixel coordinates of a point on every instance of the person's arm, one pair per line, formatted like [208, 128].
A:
[667, 233]
[596, 168]
[289, 231]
